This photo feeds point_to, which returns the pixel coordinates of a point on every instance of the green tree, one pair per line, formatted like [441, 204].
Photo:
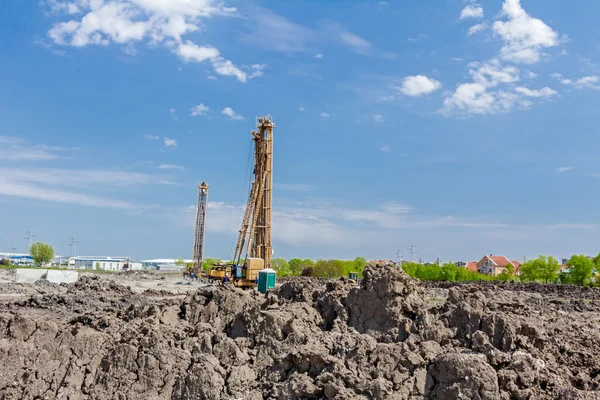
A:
[508, 274]
[281, 266]
[179, 262]
[549, 270]
[531, 270]
[581, 269]
[358, 265]
[209, 262]
[295, 266]
[328, 268]
[42, 253]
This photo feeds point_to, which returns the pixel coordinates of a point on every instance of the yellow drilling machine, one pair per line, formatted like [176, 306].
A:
[254, 239]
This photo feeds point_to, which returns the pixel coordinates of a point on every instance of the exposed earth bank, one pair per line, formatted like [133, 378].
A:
[392, 338]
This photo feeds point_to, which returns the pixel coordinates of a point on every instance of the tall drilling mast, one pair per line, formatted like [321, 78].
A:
[198, 255]
[256, 224]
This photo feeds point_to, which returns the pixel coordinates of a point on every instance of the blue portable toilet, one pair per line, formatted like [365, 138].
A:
[266, 279]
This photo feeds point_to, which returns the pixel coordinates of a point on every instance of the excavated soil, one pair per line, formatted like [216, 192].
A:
[391, 338]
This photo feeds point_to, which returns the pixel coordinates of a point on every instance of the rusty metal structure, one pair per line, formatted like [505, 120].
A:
[255, 232]
[201, 208]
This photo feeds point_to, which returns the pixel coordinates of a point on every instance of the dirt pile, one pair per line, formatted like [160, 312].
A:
[309, 339]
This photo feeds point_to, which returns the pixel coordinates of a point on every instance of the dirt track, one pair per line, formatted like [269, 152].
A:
[310, 339]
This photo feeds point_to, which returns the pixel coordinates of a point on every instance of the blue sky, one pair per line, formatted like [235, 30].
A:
[466, 128]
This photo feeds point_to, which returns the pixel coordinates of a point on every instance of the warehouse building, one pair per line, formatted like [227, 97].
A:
[104, 263]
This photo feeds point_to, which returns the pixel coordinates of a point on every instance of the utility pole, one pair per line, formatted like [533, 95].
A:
[14, 249]
[73, 245]
[29, 238]
[399, 255]
[413, 252]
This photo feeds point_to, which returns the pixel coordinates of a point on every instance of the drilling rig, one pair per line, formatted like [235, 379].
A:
[254, 239]
[198, 254]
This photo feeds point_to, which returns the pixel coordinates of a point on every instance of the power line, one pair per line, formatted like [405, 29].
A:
[29, 238]
[73, 245]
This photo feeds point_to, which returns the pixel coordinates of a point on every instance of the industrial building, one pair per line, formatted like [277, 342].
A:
[105, 263]
[21, 259]
[164, 264]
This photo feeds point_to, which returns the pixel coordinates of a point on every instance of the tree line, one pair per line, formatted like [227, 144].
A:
[581, 271]
[308, 267]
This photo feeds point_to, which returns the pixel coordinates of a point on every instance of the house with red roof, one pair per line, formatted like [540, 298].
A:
[495, 265]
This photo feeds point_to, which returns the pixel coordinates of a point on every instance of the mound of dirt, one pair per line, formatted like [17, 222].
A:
[308, 339]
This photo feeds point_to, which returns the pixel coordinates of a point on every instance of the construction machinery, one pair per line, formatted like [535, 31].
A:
[253, 250]
[198, 253]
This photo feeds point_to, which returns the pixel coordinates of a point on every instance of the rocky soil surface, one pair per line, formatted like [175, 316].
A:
[391, 338]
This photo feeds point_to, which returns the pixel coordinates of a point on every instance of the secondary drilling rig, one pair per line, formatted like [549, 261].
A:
[254, 239]
[198, 254]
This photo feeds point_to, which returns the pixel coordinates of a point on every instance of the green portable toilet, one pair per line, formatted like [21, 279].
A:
[266, 279]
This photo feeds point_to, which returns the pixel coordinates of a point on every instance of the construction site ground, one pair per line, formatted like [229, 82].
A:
[154, 336]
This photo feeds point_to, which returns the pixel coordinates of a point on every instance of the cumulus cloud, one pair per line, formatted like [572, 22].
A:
[544, 92]
[476, 28]
[377, 118]
[525, 37]
[482, 96]
[154, 22]
[319, 55]
[324, 114]
[589, 82]
[151, 137]
[418, 85]
[472, 11]
[170, 142]
[228, 111]
[200, 109]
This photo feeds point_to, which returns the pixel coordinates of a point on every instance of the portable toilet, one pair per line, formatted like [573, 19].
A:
[266, 279]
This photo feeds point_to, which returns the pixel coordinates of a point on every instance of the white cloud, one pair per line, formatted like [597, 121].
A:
[457, 59]
[200, 109]
[190, 52]
[476, 28]
[385, 149]
[587, 82]
[563, 169]
[472, 11]
[483, 95]
[355, 42]
[273, 32]
[22, 190]
[154, 22]
[319, 55]
[419, 85]
[171, 167]
[82, 178]
[377, 118]
[301, 108]
[231, 114]
[170, 142]
[212, 78]
[18, 149]
[544, 92]
[524, 36]
[531, 75]
[324, 114]
[151, 137]
[47, 184]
